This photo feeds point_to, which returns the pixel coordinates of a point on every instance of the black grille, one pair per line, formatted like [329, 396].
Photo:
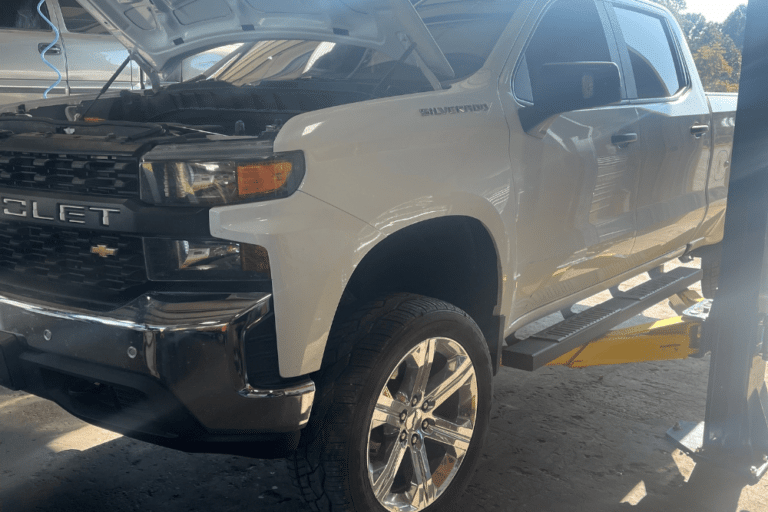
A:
[64, 257]
[115, 176]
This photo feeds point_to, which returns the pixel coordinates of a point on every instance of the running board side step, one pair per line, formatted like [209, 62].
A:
[554, 341]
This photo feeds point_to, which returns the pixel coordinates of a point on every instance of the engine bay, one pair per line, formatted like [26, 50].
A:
[203, 107]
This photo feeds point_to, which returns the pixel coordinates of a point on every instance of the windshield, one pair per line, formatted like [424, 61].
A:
[466, 40]
[295, 59]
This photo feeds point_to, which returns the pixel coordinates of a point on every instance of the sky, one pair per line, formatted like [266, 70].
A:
[714, 10]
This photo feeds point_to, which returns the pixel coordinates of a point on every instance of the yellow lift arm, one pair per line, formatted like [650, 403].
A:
[663, 340]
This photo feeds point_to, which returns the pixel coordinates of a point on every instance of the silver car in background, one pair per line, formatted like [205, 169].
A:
[85, 54]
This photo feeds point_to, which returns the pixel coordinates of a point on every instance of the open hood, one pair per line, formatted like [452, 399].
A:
[162, 32]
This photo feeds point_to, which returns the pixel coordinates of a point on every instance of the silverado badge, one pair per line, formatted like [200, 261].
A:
[461, 109]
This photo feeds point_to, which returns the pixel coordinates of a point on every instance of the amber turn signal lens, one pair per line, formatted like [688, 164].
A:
[253, 179]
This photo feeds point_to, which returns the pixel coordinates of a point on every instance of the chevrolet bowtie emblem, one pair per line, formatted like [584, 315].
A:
[103, 251]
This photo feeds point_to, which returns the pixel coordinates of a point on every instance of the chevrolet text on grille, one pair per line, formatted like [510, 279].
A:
[64, 212]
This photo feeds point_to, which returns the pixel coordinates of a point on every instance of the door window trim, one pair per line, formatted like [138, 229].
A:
[51, 6]
[63, 24]
[611, 42]
[672, 39]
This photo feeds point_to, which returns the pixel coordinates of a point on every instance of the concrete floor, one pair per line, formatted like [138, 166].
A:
[560, 440]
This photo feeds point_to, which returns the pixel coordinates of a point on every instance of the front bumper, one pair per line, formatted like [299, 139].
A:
[168, 369]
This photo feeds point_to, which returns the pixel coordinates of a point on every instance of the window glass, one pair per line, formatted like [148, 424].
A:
[300, 60]
[571, 31]
[22, 14]
[467, 39]
[78, 20]
[654, 62]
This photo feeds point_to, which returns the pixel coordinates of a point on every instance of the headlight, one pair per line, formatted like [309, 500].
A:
[214, 260]
[202, 177]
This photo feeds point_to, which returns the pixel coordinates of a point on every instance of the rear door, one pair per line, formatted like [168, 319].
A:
[576, 178]
[675, 133]
[93, 55]
[23, 33]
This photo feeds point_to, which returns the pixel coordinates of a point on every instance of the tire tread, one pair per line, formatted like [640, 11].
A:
[353, 349]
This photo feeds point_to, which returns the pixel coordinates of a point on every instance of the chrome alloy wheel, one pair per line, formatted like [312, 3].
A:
[422, 425]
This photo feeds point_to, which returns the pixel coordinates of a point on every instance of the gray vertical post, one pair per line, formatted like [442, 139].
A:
[736, 424]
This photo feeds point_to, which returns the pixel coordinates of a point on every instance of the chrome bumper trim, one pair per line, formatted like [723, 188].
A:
[151, 313]
[191, 345]
[303, 395]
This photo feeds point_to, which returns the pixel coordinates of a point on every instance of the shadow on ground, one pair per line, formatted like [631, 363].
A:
[583, 441]
[560, 440]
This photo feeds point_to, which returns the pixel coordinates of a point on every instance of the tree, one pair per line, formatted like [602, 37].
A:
[715, 72]
[713, 51]
[717, 57]
[675, 6]
[734, 25]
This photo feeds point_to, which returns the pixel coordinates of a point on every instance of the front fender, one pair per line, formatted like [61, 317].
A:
[313, 249]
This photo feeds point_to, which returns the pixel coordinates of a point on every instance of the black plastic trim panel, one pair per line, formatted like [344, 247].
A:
[140, 407]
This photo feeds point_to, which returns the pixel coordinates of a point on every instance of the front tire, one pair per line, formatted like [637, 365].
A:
[407, 410]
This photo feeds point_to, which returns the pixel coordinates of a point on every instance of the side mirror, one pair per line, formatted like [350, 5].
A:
[566, 86]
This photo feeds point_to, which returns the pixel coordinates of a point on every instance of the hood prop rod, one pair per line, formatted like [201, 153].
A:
[394, 68]
[104, 89]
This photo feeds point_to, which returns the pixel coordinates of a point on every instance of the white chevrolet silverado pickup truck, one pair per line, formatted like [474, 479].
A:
[318, 248]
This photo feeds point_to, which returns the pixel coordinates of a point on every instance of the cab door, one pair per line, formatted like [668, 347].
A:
[23, 34]
[675, 132]
[577, 175]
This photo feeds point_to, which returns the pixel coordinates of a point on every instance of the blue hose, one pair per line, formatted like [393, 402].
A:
[42, 54]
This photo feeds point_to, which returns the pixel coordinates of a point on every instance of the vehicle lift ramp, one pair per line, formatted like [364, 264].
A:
[734, 433]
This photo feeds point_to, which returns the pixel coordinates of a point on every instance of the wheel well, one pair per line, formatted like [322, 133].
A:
[450, 258]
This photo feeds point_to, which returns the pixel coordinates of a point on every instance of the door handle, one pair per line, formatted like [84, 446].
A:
[623, 139]
[55, 49]
[698, 130]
